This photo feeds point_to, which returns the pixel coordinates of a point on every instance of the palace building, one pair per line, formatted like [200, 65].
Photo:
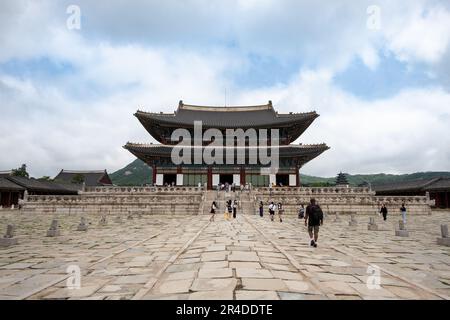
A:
[223, 120]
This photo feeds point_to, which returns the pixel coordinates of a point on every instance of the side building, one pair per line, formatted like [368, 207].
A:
[91, 178]
[437, 188]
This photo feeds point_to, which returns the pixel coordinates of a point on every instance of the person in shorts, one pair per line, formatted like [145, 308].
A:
[313, 219]
[272, 207]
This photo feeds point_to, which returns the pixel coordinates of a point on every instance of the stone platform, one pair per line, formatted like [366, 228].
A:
[188, 257]
[196, 201]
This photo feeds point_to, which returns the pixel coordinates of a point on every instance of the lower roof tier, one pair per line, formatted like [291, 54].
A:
[300, 154]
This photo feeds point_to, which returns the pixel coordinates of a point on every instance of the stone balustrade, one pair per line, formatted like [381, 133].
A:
[157, 189]
[190, 200]
[314, 190]
[342, 200]
[120, 200]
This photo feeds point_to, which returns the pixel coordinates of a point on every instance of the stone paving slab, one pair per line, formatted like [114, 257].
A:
[166, 257]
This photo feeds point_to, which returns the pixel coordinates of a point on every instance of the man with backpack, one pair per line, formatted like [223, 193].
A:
[313, 219]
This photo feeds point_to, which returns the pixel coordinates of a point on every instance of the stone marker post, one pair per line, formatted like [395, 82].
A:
[444, 240]
[8, 239]
[353, 221]
[54, 229]
[103, 221]
[372, 225]
[82, 226]
[336, 217]
[401, 231]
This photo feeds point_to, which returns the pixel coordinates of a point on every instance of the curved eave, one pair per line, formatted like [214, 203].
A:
[296, 124]
[171, 120]
[305, 152]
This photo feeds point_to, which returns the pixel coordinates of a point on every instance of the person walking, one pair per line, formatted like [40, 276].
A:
[226, 210]
[403, 211]
[261, 208]
[280, 211]
[313, 219]
[384, 211]
[235, 204]
[213, 211]
[301, 212]
[272, 210]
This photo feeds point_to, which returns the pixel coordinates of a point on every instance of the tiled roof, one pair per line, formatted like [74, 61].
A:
[91, 178]
[305, 152]
[409, 186]
[226, 117]
[441, 184]
[7, 185]
[34, 185]
[6, 173]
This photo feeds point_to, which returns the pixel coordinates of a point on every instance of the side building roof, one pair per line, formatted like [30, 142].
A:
[92, 178]
[50, 187]
[7, 185]
[5, 173]
[419, 185]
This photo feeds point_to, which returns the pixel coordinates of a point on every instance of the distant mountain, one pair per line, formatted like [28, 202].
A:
[138, 173]
[374, 179]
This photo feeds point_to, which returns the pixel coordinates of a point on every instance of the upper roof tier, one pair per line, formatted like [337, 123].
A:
[160, 125]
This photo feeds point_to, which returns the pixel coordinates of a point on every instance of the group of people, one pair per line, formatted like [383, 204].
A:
[272, 209]
[313, 215]
[233, 187]
[231, 209]
[384, 212]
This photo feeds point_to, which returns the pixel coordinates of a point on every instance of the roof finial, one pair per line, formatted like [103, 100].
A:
[180, 104]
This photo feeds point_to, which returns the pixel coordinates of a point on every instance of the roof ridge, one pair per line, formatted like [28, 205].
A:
[83, 171]
[184, 106]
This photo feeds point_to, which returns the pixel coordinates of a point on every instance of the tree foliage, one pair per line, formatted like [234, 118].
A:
[21, 172]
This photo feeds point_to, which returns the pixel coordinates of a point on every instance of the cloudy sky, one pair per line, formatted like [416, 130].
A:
[378, 76]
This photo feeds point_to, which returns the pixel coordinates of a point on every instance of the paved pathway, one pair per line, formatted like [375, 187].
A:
[187, 257]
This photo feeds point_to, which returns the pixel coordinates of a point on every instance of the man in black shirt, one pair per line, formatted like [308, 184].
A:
[384, 211]
[313, 219]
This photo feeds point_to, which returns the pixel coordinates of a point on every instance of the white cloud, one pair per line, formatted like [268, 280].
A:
[149, 55]
[422, 34]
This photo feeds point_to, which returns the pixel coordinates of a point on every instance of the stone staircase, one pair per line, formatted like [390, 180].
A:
[245, 200]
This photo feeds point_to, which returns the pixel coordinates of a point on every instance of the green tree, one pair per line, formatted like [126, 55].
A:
[21, 172]
[45, 178]
[78, 179]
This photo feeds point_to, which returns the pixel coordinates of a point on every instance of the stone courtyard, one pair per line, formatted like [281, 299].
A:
[189, 257]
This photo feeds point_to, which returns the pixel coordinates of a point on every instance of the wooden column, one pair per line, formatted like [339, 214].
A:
[437, 200]
[153, 174]
[297, 174]
[9, 199]
[242, 176]
[209, 178]
[446, 200]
